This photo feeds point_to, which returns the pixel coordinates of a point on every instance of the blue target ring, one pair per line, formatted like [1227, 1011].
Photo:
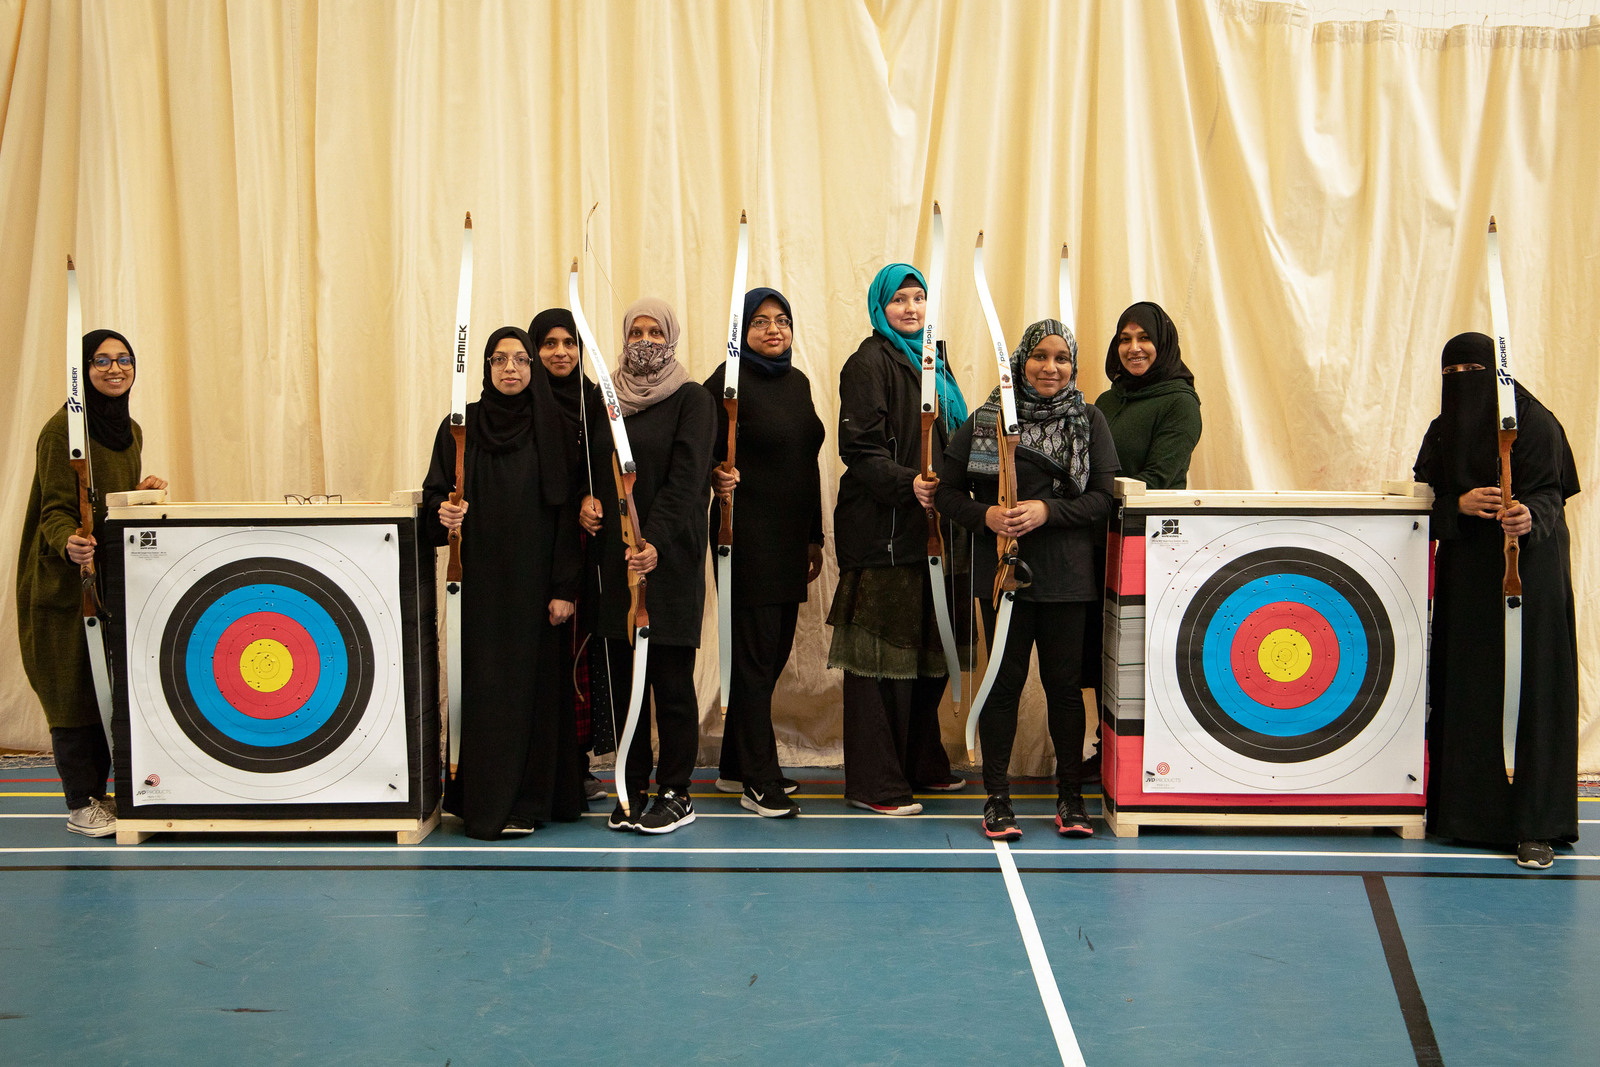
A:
[1321, 583]
[1217, 662]
[252, 729]
[229, 732]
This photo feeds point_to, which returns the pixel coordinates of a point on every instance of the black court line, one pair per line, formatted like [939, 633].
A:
[623, 868]
[1424, 1045]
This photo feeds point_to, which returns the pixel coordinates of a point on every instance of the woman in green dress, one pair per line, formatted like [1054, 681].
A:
[55, 654]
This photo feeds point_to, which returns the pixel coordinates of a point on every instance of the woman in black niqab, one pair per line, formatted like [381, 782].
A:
[519, 556]
[1468, 795]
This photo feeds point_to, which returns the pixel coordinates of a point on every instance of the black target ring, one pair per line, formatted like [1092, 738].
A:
[340, 712]
[1193, 674]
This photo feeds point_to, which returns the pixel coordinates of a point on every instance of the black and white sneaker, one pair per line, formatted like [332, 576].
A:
[621, 820]
[733, 785]
[1072, 820]
[517, 826]
[1535, 855]
[670, 810]
[952, 784]
[593, 788]
[774, 803]
[999, 821]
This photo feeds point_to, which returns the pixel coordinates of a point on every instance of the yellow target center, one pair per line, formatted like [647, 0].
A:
[1285, 655]
[266, 665]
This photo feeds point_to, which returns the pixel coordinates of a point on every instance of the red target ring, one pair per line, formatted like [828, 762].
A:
[230, 667]
[1302, 654]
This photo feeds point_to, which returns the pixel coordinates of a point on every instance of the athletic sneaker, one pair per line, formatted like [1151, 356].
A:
[621, 821]
[772, 804]
[912, 808]
[94, 819]
[671, 810]
[945, 785]
[1537, 855]
[1089, 770]
[516, 826]
[593, 788]
[999, 821]
[1071, 818]
[730, 785]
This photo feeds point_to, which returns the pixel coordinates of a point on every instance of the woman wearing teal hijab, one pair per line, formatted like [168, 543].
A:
[884, 635]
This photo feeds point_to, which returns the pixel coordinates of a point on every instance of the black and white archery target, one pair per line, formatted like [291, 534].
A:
[1285, 654]
[265, 664]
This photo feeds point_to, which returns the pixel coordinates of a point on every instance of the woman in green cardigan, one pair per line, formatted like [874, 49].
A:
[1154, 414]
[1152, 407]
[55, 654]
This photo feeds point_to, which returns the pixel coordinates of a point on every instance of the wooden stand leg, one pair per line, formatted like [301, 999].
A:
[423, 829]
[133, 837]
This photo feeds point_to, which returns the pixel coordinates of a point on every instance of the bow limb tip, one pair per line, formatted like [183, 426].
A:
[69, 262]
[742, 219]
[936, 207]
[1492, 228]
[468, 224]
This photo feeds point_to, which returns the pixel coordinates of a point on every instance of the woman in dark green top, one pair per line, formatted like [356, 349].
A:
[1151, 406]
[55, 654]
[1154, 414]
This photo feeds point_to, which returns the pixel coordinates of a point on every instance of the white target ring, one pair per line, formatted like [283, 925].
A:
[265, 665]
[1285, 655]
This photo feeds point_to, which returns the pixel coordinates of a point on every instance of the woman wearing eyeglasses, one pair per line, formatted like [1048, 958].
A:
[520, 570]
[777, 540]
[49, 592]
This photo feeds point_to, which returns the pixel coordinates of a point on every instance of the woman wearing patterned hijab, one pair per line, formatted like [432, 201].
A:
[884, 635]
[777, 537]
[670, 424]
[55, 654]
[1065, 466]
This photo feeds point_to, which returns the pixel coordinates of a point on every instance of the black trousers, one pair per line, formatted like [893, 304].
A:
[1057, 630]
[83, 759]
[669, 685]
[763, 637]
[891, 737]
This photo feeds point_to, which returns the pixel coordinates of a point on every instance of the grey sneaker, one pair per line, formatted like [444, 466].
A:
[94, 819]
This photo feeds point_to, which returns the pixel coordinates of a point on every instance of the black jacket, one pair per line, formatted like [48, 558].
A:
[877, 521]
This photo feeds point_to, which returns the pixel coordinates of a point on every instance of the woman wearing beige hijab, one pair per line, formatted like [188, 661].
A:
[671, 422]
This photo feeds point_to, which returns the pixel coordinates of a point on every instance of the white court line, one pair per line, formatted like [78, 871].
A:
[1043, 976]
[1133, 853]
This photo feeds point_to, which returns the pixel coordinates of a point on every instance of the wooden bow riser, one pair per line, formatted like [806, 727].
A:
[1512, 582]
[452, 570]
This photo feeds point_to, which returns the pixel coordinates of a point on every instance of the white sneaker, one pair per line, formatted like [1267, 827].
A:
[94, 819]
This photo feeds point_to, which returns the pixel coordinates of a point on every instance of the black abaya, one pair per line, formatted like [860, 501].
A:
[1468, 796]
[519, 755]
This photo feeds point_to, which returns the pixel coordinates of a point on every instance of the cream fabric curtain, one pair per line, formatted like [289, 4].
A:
[266, 198]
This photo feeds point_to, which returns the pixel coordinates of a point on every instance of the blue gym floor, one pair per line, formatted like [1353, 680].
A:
[839, 937]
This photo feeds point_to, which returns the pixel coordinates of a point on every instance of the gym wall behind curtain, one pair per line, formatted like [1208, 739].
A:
[267, 199]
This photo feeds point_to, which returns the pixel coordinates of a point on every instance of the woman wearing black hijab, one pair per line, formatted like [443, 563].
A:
[1154, 415]
[519, 557]
[777, 540]
[1468, 795]
[555, 339]
[1151, 407]
[55, 654]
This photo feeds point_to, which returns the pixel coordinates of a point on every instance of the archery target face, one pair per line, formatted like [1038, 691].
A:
[1285, 654]
[265, 665]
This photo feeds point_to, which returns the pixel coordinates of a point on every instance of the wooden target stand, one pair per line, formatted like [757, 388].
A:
[1128, 805]
[413, 687]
